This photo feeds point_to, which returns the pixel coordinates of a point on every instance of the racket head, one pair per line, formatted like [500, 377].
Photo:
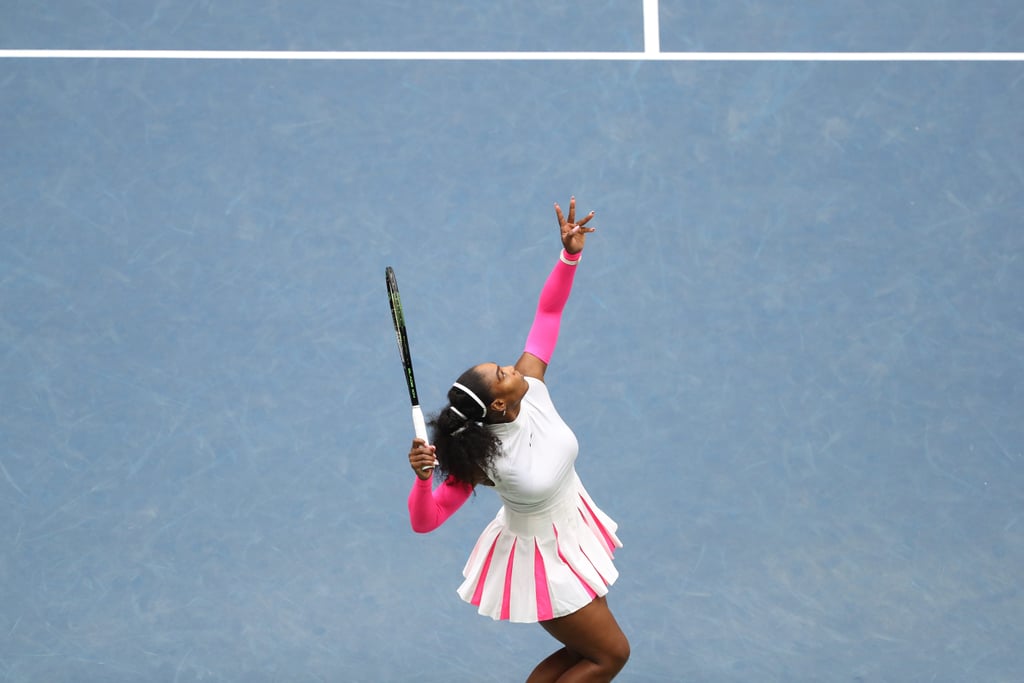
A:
[401, 336]
[394, 300]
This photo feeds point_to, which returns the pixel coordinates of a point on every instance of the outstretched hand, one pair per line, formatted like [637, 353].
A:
[574, 234]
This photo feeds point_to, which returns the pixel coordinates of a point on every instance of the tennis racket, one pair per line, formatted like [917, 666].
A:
[403, 350]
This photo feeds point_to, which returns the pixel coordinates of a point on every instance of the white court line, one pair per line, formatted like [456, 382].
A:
[652, 29]
[469, 56]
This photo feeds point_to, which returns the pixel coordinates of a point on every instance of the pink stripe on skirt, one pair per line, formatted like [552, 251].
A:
[604, 532]
[506, 599]
[479, 592]
[590, 591]
[540, 578]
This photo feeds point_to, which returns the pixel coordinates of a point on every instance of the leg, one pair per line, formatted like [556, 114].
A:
[592, 635]
[554, 666]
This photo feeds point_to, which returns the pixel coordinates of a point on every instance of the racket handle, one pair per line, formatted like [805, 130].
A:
[421, 430]
[418, 423]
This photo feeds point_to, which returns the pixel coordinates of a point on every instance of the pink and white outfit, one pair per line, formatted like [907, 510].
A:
[549, 550]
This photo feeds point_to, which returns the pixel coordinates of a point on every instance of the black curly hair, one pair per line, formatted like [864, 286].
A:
[465, 448]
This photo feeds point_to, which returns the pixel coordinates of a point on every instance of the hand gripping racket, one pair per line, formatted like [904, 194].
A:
[403, 350]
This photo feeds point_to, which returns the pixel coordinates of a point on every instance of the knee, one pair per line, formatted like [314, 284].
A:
[617, 655]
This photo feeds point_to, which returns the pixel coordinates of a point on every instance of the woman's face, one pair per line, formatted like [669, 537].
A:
[507, 385]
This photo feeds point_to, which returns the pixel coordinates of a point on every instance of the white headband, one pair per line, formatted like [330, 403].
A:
[472, 396]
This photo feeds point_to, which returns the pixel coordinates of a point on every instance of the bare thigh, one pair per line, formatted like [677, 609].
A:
[592, 633]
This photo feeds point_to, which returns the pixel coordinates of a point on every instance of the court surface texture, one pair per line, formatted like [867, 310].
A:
[794, 354]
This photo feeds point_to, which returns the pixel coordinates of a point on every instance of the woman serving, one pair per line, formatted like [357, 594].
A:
[547, 555]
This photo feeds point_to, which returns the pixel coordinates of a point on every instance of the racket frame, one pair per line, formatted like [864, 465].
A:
[402, 337]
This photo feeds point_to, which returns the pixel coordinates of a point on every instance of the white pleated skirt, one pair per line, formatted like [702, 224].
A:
[534, 566]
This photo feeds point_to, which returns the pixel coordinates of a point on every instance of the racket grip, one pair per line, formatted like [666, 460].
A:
[418, 424]
[421, 430]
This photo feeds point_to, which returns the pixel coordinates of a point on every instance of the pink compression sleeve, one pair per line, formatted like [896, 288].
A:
[428, 509]
[544, 332]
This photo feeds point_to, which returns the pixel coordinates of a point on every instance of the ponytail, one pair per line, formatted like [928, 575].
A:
[464, 446]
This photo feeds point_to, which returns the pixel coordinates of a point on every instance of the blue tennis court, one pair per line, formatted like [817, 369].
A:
[794, 354]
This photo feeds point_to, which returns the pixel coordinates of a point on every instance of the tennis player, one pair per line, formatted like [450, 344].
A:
[547, 556]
